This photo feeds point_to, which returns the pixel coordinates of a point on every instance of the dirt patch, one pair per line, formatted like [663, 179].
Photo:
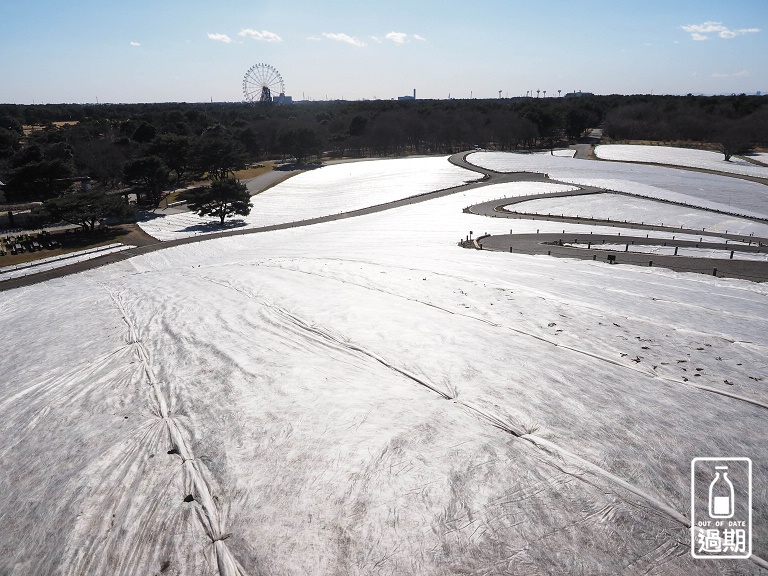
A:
[135, 236]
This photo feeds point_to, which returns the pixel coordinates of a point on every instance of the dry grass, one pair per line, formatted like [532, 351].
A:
[245, 174]
[262, 168]
[69, 243]
[674, 143]
[29, 128]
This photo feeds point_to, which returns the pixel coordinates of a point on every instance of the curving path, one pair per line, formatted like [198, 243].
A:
[550, 244]
[157, 245]
[526, 243]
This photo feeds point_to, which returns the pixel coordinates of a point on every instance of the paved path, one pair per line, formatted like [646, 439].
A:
[259, 183]
[488, 177]
[152, 247]
[549, 243]
[754, 270]
[586, 144]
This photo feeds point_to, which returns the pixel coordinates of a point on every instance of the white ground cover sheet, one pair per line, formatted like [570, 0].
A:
[517, 189]
[759, 156]
[324, 191]
[675, 156]
[365, 397]
[670, 251]
[35, 266]
[560, 153]
[724, 193]
[619, 207]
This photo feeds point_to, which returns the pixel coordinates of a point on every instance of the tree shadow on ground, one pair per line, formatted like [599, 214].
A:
[146, 216]
[215, 226]
[289, 167]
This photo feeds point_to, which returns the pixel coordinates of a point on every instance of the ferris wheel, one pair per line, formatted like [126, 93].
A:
[261, 83]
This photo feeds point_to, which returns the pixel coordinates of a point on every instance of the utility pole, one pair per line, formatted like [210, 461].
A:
[537, 93]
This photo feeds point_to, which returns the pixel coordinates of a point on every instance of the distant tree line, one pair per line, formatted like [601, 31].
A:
[151, 147]
[732, 124]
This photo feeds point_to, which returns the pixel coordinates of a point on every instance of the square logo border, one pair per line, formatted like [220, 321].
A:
[694, 528]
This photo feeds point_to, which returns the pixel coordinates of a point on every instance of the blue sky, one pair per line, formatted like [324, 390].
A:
[172, 50]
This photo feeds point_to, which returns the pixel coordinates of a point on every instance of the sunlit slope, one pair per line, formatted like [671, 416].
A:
[365, 397]
[720, 192]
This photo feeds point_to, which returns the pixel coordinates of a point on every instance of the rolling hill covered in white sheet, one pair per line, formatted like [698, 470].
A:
[365, 397]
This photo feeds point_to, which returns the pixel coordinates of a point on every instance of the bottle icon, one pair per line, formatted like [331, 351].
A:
[721, 494]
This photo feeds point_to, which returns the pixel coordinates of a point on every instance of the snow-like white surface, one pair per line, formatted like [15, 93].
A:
[364, 397]
[619, 207]
[724, 193]
[35, 266]
[674, 156]
[692, 252]
[517, 189]
[759, 156]
[325, 191]
[560, 153]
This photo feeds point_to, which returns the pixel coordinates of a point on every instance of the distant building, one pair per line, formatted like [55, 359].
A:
[578, 94]
[282, 99]
[408, 97]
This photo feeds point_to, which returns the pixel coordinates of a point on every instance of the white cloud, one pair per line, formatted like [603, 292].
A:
[376, 39]
[397, 37]
[220, 38]
[264, 35]
[135, 44]
[701, 32]
[344, 38]
[402, 37]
